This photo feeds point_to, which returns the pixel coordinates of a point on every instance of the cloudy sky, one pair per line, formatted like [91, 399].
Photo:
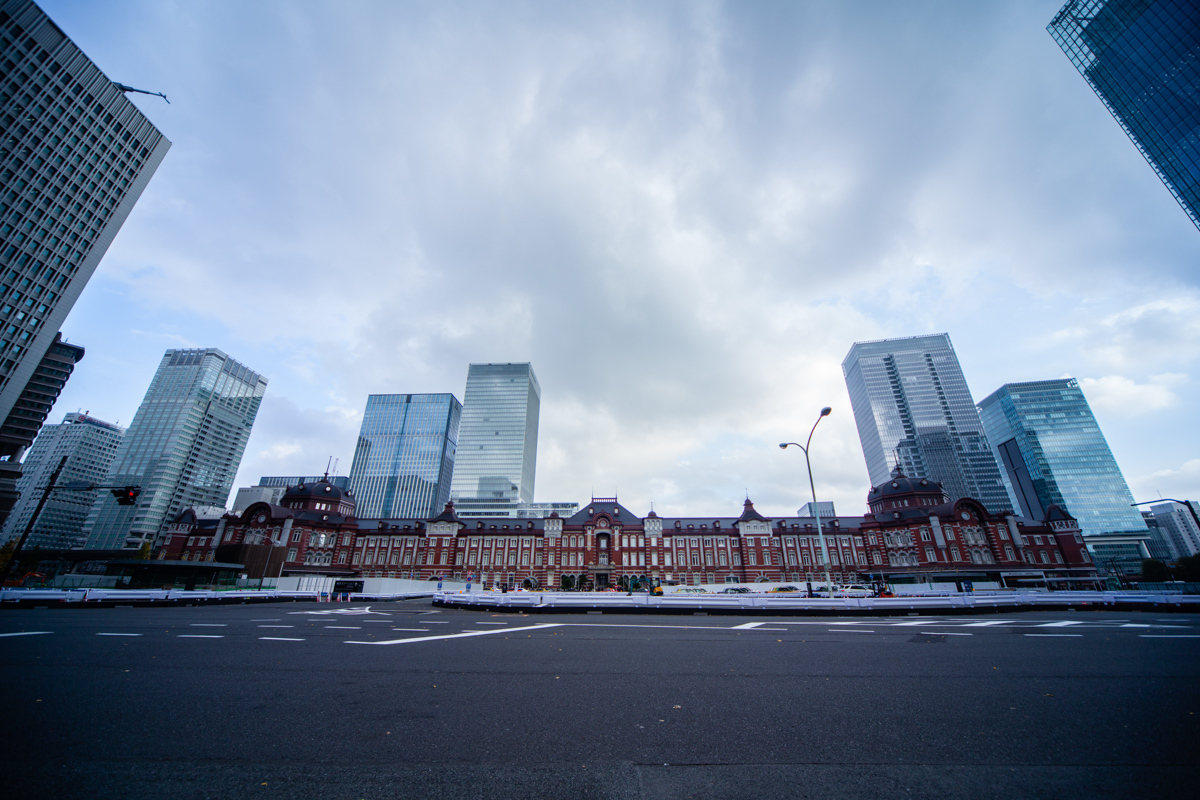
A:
[682, 213]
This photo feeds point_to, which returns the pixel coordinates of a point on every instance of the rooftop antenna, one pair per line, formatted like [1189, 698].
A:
[125, 88]
[327, 463]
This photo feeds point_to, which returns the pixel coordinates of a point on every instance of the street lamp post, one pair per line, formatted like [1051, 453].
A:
[812, 487]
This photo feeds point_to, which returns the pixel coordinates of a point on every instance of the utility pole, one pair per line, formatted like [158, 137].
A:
[29, 527]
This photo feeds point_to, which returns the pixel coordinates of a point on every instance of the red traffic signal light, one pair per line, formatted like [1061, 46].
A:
[126, 496]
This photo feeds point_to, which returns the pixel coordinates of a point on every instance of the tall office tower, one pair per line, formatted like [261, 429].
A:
[497, 448]
[183, 447]
[1053, 452]
[75, 156]
[1179, 526]
[1142, 57]
[89, 446]
[26, 418]
[405, 455]
[914, 411]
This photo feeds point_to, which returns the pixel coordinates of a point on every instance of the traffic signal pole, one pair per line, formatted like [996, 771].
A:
[29, 527]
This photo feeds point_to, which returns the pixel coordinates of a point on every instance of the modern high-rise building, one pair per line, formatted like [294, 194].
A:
[1053, 452]
[914, 411]
[497, 445]
[183, 447]
[89, 446]
[75, 156]
[1180, 530]
[404, 459]
[1142, 58]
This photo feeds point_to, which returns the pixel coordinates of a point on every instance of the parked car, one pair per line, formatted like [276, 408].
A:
[855, 590]
[736, 590]
[786, 589]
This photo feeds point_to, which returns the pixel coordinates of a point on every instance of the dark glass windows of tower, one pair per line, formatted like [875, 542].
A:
[1142, 57]
[404, 460]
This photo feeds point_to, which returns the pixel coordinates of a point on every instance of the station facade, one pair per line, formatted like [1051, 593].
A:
[912, 533]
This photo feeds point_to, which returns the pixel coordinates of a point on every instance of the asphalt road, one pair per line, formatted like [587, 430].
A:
[401, 700]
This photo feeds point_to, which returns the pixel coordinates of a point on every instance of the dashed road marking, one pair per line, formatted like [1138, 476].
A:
[1168, 636]
[276, 626]
[118, 634]
[201, 636]
[1062, 624]
[414, 630]
[989, 623]
[26, 633]
[945, 633]
[278, 639]
[343, 627]
[209, 625]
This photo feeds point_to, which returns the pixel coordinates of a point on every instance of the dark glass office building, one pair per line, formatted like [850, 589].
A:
[404, 460]
[1053, 452]
[1142, 57]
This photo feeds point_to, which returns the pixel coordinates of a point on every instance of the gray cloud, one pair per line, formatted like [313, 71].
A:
[682, 214]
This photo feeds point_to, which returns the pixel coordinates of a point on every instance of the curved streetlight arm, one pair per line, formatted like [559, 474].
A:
[812, 488]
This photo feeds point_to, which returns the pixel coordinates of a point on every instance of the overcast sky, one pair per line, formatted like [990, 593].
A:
[683, 214]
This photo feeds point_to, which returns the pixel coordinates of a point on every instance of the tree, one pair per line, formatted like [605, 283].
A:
[1188, 569]
[1155, 571]
[6, 552]
[144, 551]
[567, 583]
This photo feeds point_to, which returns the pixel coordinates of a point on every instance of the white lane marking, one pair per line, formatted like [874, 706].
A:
[1168, 636]
[911, 624]
[274, 620]
[1055, 635]
[747, 626]
[945, 633]
[989, 623]
[849, 630]
[859, 622]
[464, 634]
[26, 633]
[414, 630]
[118, 634]
[200, 636]
[278, 639]
[436, 622]
[491, 623]
[785, 630]
[1062, 624]
[1133, 625]
[209, 625]
[276, 626]
[343, 627]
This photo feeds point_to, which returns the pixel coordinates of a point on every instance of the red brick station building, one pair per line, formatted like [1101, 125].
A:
[914, 533]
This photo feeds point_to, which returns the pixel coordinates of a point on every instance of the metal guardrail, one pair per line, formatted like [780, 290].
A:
[123, 596]
[966, 602]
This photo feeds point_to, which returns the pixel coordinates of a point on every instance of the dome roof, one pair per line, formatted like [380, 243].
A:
[320, 489]
[902, 484]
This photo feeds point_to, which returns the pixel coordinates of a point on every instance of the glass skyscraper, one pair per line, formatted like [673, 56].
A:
[75, 156]
[183, 448]
[1053, 452]
[404, 460]
[914, 411]
[497, 445]
[1142, 57]
[89, 446]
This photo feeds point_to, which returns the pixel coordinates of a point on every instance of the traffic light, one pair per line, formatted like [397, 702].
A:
[126, 496]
